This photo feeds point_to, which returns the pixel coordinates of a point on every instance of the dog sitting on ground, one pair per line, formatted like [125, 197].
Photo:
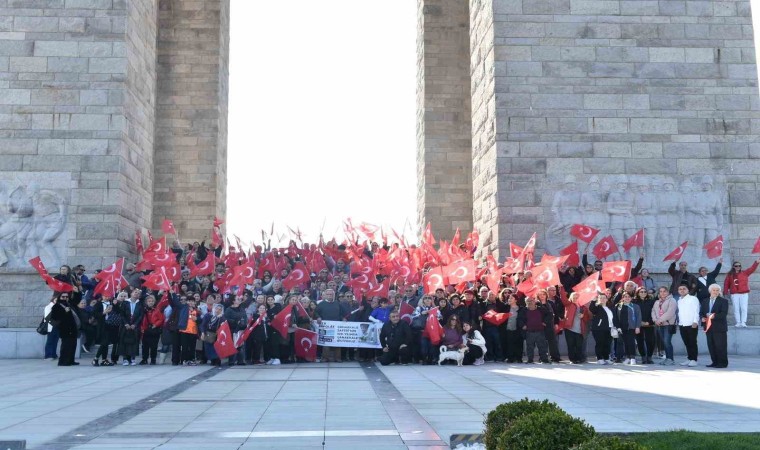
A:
[454, 355]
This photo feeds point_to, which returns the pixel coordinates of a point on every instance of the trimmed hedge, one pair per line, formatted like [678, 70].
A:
[609, 443]
[544, 430]
[505, 414]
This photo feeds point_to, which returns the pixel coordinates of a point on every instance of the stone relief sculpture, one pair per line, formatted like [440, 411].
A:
[31, 220]
[670, 211]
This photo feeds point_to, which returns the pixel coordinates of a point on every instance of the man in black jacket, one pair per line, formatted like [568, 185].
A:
[682, 276]
[396, 340]
[713, 311]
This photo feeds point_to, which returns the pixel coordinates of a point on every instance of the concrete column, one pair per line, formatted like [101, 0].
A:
[191, 117]
[444, 197]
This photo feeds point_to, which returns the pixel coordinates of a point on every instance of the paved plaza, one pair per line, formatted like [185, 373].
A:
[350, 405]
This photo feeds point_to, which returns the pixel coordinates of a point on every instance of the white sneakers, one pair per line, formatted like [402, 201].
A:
[276, 362]
[601, 362]
[478, 362]
[741, 325]
[626, 361]
[632, 362]
[686, 363]
[692, 364]
[125, 363]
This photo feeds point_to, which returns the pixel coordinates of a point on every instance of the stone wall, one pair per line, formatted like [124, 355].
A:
[76, 112]
[191, 116]
[605, 88]
[444, 196]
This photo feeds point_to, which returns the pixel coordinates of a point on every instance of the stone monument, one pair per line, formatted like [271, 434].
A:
[618, 114]
[113, 117]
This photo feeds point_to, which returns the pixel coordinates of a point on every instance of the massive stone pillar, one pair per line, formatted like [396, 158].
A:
[76, 139]
[618, 114]
[191, 116]
[444, 167]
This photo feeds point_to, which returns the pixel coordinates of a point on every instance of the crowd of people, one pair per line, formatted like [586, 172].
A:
[631, 322]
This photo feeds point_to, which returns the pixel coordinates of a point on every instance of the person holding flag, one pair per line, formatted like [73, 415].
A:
[237, 319]
[737, 286]
[419, 319]
[601, 327]
[210, 324]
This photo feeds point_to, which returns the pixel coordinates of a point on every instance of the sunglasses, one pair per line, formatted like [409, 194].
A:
[737, 265]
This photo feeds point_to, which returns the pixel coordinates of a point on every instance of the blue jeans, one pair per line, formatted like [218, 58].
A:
[426, 349]
[51, 343]
[666, 338]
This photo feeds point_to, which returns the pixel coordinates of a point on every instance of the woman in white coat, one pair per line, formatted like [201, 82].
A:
[476, 345]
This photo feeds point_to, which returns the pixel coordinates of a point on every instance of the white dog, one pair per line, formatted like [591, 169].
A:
[454, 355]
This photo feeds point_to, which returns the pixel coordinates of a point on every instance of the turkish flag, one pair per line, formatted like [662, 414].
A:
[56, 285]
[224, 345]
[205, 267]
[515, 251]
[530, 246]
[708, 321]
[218, 222]
[527, 287]
[472, 241]
[138, 243]
[248, 330]
[427, 236]
[493, 280]
[433, 280]
[588, 289]
[405, 310]
[571, 251]
[378, 289]
[173, 271]
[157, 246]
[157, 280]
[360, 282]
[514, 265]
[433, 328]
[616, 271]
[298, 276]
[216, 238]
[584, 233]
[545, 276]
[554, 260]
[306, 344]
[605, 247]
[676, 254]
[460, 271]
[36, 262]
[242, 274]
[756, 248]
[114, 270]
[168, 227]
[715, 247]
[496, 318]
[281, 321]
[636, 240]
[107, 287]
[159, 259]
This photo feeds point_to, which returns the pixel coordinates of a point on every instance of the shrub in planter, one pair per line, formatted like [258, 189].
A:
[503, 415]
[555, 430]
[609, 443]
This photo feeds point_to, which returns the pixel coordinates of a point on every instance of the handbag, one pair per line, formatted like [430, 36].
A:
[42, 328]
[209, 337]
[672, 329]
[614, 332]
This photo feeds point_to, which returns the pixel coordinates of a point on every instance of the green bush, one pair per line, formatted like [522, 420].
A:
[503, 415]
[609, 443]
[545, 430]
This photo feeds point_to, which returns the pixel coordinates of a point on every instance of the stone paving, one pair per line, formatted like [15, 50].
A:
[351, 405]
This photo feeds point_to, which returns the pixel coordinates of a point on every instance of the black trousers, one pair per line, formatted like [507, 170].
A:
[514, 345]
[68, 351]
[394, 353]
[187, 345]
[150, 345]
[176, 347]
[574, 346]
[602, 345]
[645, 342]
[474, 352]
[551, 340]
[629, 343]
[536, 339]
[491, 335]
[717, 344]
[689, 336]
